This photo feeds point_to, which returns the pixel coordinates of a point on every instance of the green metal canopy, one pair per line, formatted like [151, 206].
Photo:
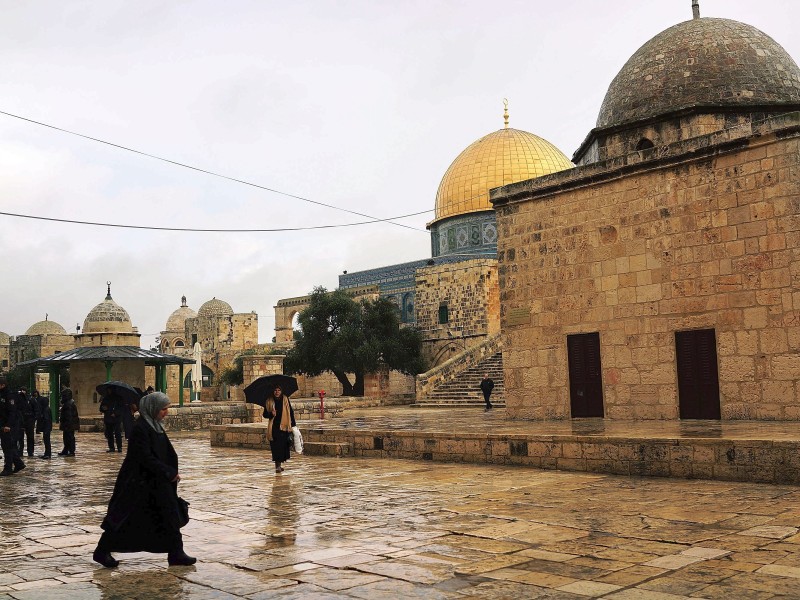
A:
[107, 353]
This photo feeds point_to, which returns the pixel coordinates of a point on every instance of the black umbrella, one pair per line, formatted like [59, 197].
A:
[262, 388]
[127, 392]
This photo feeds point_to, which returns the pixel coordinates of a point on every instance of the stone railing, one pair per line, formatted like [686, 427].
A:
[198, 415]
[452, 368]
[308, 408]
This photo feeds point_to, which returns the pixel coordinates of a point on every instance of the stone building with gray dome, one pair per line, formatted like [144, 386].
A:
[660, 277]
[43, 338]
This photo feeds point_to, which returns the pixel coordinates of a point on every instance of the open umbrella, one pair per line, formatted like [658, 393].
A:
[127, 392]
[261, 389]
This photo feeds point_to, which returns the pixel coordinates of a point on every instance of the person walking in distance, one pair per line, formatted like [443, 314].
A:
[9, 427]
[44, 422]
[27, 410]
[112, 407]
[68, 422]
[487, 385]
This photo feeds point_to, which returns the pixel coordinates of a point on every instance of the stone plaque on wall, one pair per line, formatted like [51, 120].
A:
[519, 316]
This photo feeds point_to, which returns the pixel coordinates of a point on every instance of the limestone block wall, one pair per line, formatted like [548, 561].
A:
[85, 340]
[708, 238]
[25, 347]
[470, 290]
[85, 376]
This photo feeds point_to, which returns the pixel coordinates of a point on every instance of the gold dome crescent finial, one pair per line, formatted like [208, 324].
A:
[505, 113]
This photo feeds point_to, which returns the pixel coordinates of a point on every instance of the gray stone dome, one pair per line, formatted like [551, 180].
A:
[108, 317]
[177, 320]
[215, 308]
[46, 328]
[702, 62]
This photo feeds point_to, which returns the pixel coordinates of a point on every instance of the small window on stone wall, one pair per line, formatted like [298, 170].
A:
[179, 343]
[444, 316]
[644, 144]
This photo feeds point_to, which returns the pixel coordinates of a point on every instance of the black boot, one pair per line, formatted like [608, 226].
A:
[180, 558]
[105, 559]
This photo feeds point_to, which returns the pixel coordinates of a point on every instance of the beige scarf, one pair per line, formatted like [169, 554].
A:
[286, 416]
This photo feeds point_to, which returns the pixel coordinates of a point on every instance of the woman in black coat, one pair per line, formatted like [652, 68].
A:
[280, 413]
[144, 513]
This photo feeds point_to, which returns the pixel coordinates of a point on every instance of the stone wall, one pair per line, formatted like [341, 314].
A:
[200, 415]
[85, 376]
[222, 337]
[470, 290]
[705, 235]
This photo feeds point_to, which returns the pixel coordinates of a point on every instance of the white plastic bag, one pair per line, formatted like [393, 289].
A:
[298, 440]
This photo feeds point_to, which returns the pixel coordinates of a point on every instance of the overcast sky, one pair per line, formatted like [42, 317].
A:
[362, 105]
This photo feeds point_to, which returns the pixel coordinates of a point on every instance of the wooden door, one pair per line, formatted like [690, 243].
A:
[698, 377]
[585, 375]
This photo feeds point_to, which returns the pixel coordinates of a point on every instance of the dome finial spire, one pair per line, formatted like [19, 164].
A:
[108, 295]
[183, 300]
[695, 9]
[505, 113]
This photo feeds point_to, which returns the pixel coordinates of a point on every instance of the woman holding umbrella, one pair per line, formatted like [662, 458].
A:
[281, 420]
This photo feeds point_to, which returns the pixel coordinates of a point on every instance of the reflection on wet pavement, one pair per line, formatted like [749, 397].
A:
[475, 420]
[364, 528]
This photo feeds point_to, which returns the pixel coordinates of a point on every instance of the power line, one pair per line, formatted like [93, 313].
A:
[207, 172]
[199, 230]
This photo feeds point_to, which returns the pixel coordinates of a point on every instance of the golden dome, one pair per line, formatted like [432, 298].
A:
[500, 158]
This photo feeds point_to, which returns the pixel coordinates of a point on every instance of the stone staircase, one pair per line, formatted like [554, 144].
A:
[464, 389]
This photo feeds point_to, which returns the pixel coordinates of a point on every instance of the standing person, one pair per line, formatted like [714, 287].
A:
[44, 422]
[112, 408]
[143, 514]
[8, 431]
[487, 385]
[280, 413]
[27, 412]
[68, 422]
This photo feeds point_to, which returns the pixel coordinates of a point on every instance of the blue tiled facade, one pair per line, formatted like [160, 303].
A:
[449, 245]
[474, 234]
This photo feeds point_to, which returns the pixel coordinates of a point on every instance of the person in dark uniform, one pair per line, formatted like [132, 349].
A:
[280, 413]
[144, 513]
[44, 422]
[27, 411]
[9, 428]
[112, 408]
[68, 422]
[487, 385]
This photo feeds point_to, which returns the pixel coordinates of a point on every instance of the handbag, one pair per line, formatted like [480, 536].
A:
[183, 512]
[297, 440]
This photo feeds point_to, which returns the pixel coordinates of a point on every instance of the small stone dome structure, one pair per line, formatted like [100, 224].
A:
[45, 327]
[215, 308]
[108, 317]
[177, 320]
[702, 62]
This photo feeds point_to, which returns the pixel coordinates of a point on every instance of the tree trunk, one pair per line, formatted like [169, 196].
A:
[358, 386]
[347, 388]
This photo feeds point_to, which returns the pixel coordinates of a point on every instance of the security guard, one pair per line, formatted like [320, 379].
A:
[9, 424]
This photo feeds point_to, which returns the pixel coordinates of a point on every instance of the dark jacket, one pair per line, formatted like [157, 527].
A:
[9, 415]
[144, 492]
[112, 407]
[44, 418]
[487, 385]
[68, 419]
[27, 409]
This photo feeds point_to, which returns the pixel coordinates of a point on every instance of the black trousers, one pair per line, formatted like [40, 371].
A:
[26, 430]
[486, 395]
[69, 442]
[113, 432]
[10, 455]
[46, 440]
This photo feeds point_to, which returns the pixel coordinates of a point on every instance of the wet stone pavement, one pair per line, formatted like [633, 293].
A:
[381, 528]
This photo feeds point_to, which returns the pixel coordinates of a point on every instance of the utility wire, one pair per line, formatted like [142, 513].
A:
[198, 230]
[212, 173]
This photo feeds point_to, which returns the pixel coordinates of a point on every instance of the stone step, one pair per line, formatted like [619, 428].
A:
[327, 449]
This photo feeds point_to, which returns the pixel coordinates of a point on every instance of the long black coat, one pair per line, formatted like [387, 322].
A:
[143, 511]
[44, 420]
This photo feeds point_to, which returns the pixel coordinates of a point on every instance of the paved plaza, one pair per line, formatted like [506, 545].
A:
[383, 528]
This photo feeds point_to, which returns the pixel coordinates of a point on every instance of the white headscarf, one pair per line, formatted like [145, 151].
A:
[150, 406]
